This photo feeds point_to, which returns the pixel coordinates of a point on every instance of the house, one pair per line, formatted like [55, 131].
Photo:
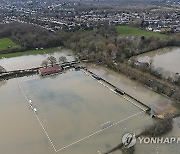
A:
[50, 70]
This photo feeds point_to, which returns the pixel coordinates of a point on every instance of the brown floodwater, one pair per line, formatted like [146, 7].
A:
[72, 106]
[30, 61]
[157, 102]
[166, 58]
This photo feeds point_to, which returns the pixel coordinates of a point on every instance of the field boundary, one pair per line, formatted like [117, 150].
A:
[80, 140]
[147, 110]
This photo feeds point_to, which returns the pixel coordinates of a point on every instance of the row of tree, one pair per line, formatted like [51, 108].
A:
[52, 61]
[94, 44]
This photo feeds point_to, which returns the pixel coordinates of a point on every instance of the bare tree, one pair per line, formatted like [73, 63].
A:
[2, 69]
[62, 59]
[52, 60]
[44, 63]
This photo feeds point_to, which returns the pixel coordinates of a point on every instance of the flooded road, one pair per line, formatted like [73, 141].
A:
[166, 58]
[30, 61]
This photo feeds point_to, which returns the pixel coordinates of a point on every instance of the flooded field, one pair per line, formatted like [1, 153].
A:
[158, 103]
[30, 61]
[72, 107]
[166, 58]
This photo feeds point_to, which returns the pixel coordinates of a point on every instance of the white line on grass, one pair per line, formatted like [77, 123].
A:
[99, 131]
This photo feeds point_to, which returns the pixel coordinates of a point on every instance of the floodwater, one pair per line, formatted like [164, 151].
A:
[157, 102]
[30, 61]
[166, 58]
[72, 106]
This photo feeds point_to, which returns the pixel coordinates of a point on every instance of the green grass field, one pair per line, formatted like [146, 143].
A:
[128, 30]
[5, 43]
[29, 52]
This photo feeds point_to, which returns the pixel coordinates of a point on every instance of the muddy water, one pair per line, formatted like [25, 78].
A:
[157, 102]
[30, 61]
[166, 58]
[80, 103]
[69, 110]
[68, 115]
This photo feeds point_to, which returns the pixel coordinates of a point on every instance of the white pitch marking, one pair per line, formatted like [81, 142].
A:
[91, 135]
[134, 104]
[39, 121]
[116, 92]
[45, 132]
[29, 79]
[84, 137]
[23, 93]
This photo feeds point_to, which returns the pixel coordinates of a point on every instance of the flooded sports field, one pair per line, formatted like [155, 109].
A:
[71, 108]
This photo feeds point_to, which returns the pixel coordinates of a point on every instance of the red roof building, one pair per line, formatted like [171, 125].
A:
[50, 70]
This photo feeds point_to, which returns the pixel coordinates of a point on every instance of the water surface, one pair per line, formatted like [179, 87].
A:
[166, 58]
[30, 61]
[72, 106]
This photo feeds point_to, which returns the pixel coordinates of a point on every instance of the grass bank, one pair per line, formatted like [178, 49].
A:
[6, 43]
[128, 30]
[29, 52]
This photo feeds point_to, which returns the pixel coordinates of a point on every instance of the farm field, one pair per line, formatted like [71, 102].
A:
[128, 30]
[6, 43]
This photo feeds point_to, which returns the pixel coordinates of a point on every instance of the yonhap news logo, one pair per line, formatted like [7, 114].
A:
[129, 140]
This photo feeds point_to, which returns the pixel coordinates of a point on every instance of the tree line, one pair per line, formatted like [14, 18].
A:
[96, 44]
[29, 36]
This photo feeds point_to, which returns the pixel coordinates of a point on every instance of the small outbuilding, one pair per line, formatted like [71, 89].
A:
[50, 70]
